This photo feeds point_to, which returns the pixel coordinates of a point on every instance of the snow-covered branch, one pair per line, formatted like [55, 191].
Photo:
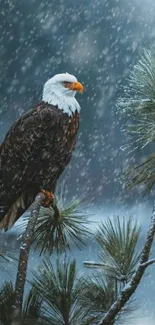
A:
[132, 285]
[23, 259]
[148, 263]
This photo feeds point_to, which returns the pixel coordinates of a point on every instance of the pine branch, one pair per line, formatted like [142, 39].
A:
[132, 285]
[61, 300]
[138, 106]
[143, 173]
[61, 225]
[118, 239]
[23, 259]
[148, 263]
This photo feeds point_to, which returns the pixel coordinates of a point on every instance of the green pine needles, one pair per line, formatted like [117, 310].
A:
[138, 105]
[57, 234]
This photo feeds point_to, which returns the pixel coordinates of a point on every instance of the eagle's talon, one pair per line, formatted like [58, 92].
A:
[49, 197]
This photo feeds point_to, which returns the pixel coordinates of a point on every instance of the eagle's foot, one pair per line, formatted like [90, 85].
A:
[49, 197]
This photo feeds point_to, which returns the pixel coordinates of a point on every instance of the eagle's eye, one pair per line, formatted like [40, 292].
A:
[66, 83]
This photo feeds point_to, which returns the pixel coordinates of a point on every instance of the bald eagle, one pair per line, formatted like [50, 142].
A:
[38, 147]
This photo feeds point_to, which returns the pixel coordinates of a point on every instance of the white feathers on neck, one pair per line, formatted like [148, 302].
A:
[56, 94]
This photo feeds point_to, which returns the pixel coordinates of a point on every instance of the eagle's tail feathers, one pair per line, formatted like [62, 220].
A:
[17, 209]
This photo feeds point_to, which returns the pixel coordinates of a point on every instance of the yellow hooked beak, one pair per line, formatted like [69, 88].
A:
[77, 86]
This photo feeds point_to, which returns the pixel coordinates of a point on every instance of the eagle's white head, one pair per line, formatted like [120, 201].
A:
[60, 91]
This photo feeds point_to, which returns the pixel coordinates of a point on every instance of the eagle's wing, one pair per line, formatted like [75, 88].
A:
[20, 154]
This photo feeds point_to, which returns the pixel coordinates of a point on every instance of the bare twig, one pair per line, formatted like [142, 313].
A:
[132, 285]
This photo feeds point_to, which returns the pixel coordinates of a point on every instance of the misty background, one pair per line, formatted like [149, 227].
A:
[98, 41]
